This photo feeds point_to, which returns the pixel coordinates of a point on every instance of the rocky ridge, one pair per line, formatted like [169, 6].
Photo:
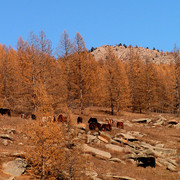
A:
[123, 53]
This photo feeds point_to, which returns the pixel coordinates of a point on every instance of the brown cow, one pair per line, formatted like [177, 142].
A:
[62, 118]
[120, 125]
[106, 127]
[110, 121]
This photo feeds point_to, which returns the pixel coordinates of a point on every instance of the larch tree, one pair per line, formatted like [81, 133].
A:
[177, 78]
[81, 73]
[123, 100]
[25, 81]
[137, 78]
[116, 84]
[45, 50]
[45, 150]
[64, 52]
[9, 76]
[110, 78]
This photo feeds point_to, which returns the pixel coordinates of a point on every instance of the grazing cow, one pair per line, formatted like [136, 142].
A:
[146, 161]
[33, 116]
[5, 111]
[106, 127]
[61, 118]
[23, 116]
[79, 120]
[92, 120]
[120, 125]
[94, 126]
[110, 121]
[54, 119]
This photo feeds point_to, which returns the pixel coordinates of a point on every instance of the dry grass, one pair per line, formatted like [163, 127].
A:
[165, 135]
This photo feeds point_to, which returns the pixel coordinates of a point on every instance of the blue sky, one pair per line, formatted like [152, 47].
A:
[146, 23]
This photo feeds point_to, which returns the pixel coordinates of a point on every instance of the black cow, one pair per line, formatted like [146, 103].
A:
[33, 116]
[94, 126]
[79, 120]
[5, 111]
[146, 161]
[92, 120]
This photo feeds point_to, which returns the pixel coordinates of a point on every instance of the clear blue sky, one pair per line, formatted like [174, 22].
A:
[147, 23]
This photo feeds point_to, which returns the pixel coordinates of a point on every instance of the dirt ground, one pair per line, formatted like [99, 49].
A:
[169, 136]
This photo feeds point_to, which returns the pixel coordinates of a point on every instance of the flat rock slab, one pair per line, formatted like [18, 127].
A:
[114, 147]
[173, 122]
[128, 137]
[177, 126]
[6, 136]
[103, 139]
[90, 138]
[81, 126]
[16, 167]
[123, 178]
[97, 152]
[120, 177]
[144, 120]
[117, 160]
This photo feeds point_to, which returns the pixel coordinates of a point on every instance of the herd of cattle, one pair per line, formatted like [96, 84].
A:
[93, 123]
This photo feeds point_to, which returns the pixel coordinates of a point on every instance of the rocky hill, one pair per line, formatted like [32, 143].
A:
[123, 53]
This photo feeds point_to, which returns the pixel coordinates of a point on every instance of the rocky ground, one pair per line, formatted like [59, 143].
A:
[148, 148]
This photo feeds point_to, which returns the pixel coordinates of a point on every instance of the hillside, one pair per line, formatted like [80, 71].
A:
[124, 54]
[112, 154]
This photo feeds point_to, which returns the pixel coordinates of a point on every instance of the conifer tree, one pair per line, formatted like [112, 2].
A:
[137, 80]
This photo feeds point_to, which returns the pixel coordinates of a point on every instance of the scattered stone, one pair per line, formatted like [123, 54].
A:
[120, 140]
[81, 126]
[123, 178]
[127, 123]
[171, 167]
[11, 131]
[144, 120]
[177, 126]
[12, 178]
[137, 134]
[90, 138]
[91, 173]
[173, 162]
[6, 136]
[103, 139]
[119, 177]
[159, 145]
[96, 152]
[166, 151]
[128, 137]
[96, 178]
[114, 147]
[161, 120]
[173, 122]
[117, 160]
[5, 142]
[16, 167]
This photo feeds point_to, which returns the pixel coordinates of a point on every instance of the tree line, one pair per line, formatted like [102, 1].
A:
[33, 80]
